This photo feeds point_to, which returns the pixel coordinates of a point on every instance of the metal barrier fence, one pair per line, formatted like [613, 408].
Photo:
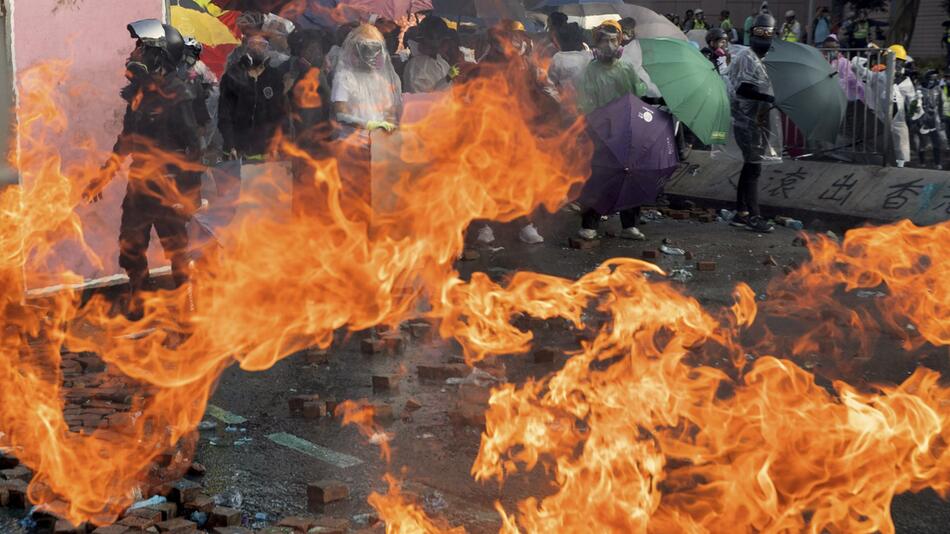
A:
[864, 136]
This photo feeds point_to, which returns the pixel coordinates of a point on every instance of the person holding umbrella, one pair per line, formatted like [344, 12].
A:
[751, 108]
[605, 80]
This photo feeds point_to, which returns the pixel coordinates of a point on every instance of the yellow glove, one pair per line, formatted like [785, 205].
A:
[453, 72]
[385, 125]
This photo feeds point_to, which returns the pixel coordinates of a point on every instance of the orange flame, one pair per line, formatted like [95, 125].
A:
[645, 429]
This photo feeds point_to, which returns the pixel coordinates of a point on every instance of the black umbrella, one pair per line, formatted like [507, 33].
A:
[806, 89]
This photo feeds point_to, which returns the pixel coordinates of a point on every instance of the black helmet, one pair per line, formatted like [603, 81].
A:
[714, 35]
[764, 20]
[152, 33]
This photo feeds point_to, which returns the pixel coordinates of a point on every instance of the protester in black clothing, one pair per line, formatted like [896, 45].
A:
[160, 133]
[253, 108]
[717, 49]
[753, 124]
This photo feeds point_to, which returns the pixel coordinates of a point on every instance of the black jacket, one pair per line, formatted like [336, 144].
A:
[160, 114]
[252, 110]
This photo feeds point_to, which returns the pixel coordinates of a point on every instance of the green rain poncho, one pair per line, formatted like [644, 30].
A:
[603, 83]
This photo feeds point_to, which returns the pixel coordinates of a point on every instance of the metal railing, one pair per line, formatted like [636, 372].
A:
[865, 132]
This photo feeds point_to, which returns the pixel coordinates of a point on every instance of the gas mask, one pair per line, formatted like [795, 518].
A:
[761, 40]
[256, 52]
[143, 62]
[370, 53]
[608, 47]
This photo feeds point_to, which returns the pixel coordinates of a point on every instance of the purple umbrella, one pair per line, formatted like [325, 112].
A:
[634, 153]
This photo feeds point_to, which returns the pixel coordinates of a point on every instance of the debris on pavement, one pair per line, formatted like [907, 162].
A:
[672, 251]
[680, 275]
[324, 492]
[789, 222]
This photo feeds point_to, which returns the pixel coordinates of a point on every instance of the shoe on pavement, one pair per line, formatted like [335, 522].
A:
[759, 224]
[587, 233]
[633, 233]
[529, 234]
[739, 221]
[485, 235]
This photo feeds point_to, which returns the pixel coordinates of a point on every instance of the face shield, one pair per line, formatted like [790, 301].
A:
[370, 53]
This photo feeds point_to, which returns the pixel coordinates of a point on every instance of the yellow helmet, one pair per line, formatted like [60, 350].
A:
[898, 51]
[610, 25]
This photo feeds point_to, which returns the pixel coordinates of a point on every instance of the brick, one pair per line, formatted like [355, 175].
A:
[412, 404]
[545, 355]
[314, 410]
[299, 524]
[231, 530]
[706, 265]
[134, 522]
[184, 490]
[20, 472]
[679, 215]
[65, 527]
[707, 218]
[385, 383]
[442, 372]
[222, 516]
[583, 244]
[178, 525]
[650, 254]
[324, 492]
[150, 514]
[4, 497]
[331, 407]
[16, 492]
[315, 356]
[330, 525]
[372, 346]
[201, 503]
[297, 402]
[421, 331]
[688, 255]
[393, 342]
[111, 529]
[470, 255]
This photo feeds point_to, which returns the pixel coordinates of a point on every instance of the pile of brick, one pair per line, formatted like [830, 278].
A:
[97, 398]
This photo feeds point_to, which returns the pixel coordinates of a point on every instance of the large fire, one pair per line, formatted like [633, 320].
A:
[673, 418]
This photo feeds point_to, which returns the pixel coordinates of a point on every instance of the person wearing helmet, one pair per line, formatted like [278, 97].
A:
[903, 105]
[717, 49]
[698, 22]
[754, 125]
[604, 80]
[254, 107]
[929, 126]
[427, 71]
[206, 90]
[791, 29]
[160, 134]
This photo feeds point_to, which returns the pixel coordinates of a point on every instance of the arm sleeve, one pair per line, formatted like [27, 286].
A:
[189, 131]
[121, 146]
[226, 104]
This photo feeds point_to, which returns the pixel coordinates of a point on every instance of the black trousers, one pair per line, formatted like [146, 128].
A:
[140, 212]
[747, 192]
[936, 146]
[590, 219]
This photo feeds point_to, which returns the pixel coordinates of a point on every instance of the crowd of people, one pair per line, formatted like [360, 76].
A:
[326, 91]
[920, 107]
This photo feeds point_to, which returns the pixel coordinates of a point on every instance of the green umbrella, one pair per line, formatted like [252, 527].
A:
[690, 86]
[806, 89]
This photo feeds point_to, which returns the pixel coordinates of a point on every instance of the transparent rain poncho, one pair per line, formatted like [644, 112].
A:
[365, 81]
[756, 125]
